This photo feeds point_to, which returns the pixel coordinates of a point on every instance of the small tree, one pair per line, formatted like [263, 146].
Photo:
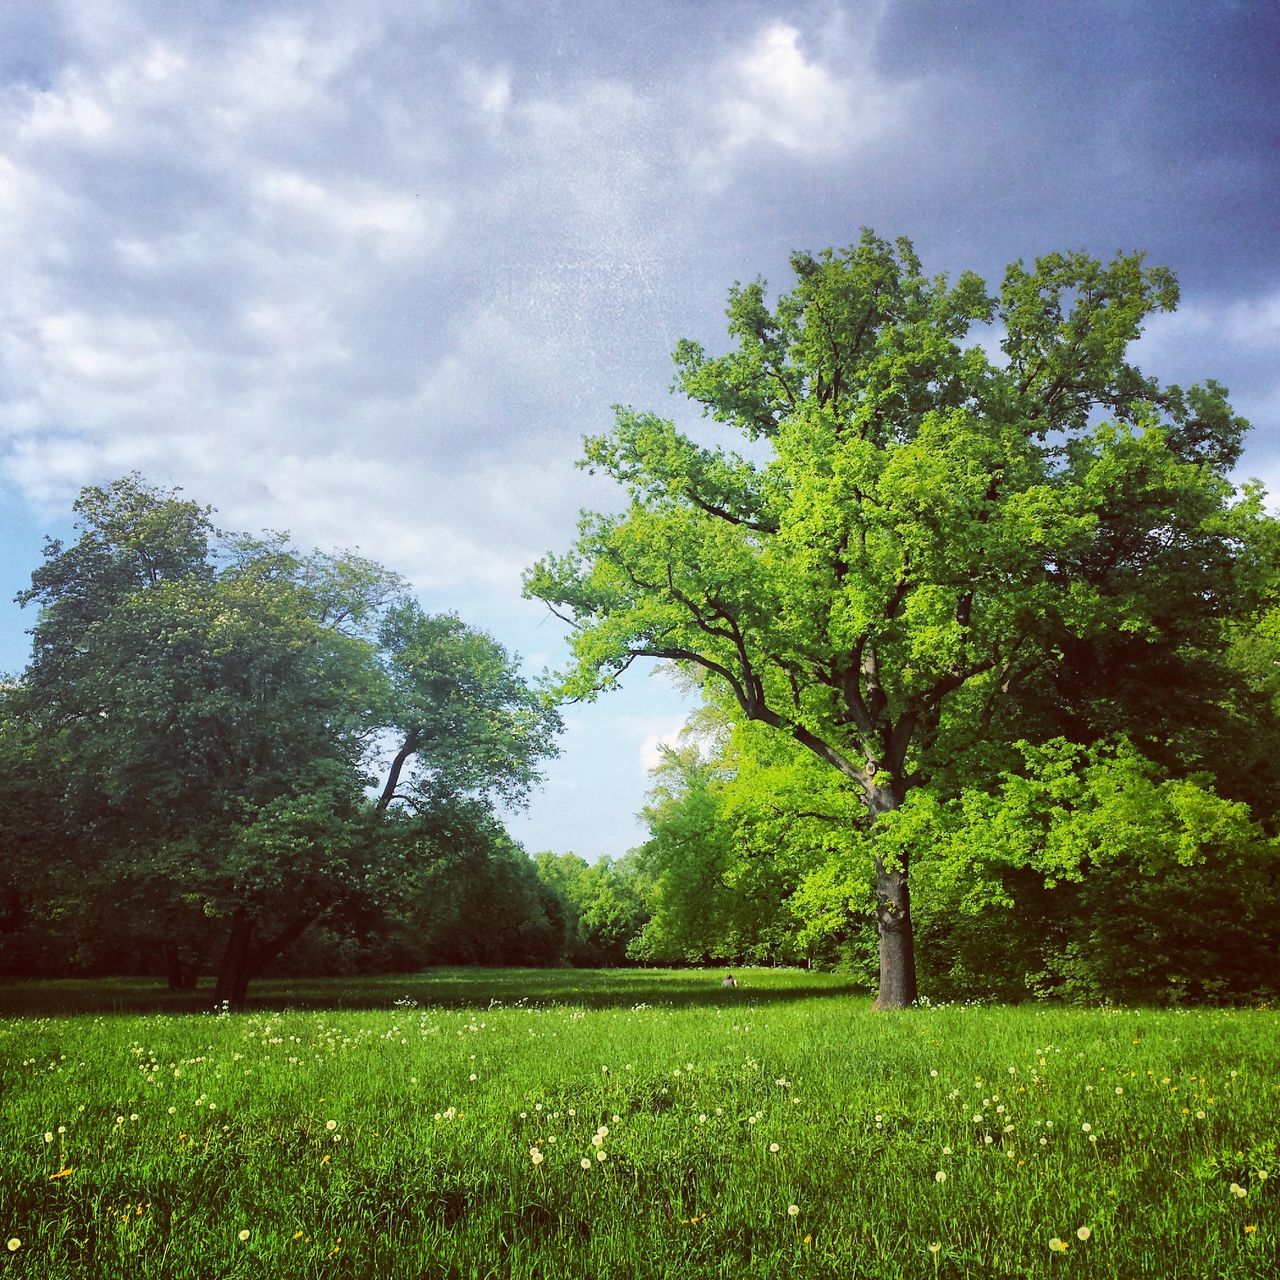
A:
[923, 529]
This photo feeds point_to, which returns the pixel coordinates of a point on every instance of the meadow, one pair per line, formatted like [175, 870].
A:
[642, 1123]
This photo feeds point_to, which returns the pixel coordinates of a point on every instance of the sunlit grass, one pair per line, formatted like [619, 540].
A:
[670, 1129]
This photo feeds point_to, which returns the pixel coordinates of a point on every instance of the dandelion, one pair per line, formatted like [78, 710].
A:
[1086, 1127]
[331, 1125]
[14, 1244]
[1058, 1246]
[134, 1116]
[1250, 1228]
[1238, 1191]
[946, 1151]
[602, 1156]
[244, 1235]
[940, 1176]
[1199, 1115]
[935, 1247]
[793, 1210]
[597, 1141]
[536, 1156]
[473, 1076]
[933, 1075]
[585, 1163]
[1083, 1233]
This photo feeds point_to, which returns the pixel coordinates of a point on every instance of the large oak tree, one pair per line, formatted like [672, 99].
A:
[948, 499]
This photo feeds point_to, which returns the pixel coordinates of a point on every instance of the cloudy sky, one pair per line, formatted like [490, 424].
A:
[369, 272]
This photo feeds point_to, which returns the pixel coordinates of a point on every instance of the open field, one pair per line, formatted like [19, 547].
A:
[631, 1124]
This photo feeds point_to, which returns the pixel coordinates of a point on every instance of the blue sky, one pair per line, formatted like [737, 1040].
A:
[368, 273]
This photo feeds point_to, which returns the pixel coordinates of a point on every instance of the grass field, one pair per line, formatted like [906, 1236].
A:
[630, 1124]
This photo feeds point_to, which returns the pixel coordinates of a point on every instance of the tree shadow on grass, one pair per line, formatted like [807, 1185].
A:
[440, 988]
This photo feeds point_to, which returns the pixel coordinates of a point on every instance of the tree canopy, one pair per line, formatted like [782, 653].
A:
[205, 720]
[959, 519]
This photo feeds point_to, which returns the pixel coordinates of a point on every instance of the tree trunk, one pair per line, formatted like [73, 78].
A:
[183, 974]
[893, 919]
[233, 972]
[242, 962]
[263, 955]
[897, 942]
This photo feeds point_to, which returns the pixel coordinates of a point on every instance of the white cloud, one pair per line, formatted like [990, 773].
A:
[774, 95]
[1251, 323]
[651, 746]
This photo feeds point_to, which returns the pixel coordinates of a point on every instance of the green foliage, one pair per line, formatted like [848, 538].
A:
[466, 722]
[1090, 874]
[602, 903]
[203, 714]
[931, 552]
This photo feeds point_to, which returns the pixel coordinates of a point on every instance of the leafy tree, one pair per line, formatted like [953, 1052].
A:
[208, 710]
[922, 533]
[465, 720]
[1088, 872]
[603, 904]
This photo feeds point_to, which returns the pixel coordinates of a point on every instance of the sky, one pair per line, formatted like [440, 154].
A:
[368, 273]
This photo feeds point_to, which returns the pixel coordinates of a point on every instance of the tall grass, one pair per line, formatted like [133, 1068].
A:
[645, 1125]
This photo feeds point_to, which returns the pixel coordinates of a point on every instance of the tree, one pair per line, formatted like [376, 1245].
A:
[208, 710]
[465, 720]
[602, 904]
[922, 532]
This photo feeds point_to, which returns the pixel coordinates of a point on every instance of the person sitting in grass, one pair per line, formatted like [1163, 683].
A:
[729, 981]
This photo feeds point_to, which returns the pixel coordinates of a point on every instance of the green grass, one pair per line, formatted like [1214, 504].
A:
[399, 1141]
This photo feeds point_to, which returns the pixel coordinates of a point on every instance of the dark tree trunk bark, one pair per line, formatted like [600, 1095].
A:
[897, 941]
[893, 921]
[277, 946]
[233, 972]
[183, 974]
[397, 767]
[242, 962]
